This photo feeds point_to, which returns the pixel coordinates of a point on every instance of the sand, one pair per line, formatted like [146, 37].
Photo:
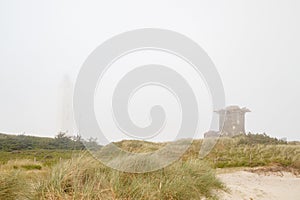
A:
[260, 186]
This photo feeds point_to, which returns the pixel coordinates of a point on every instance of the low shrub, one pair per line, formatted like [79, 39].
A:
[32, 167]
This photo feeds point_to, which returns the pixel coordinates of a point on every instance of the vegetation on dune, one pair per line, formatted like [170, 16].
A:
[83, 177]
[65, 174]
[254, 150]
[46, 157]
[137, 146]
[249, 150]
[255, 155]
[86, 178]
[253, 139]
[11, 185]
[18, 177]
[61, 141]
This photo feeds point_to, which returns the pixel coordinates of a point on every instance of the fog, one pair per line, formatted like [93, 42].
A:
[255, 46]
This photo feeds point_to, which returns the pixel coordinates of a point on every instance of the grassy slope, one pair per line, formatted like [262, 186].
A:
[234, 152]
[82, 177]
[46, 157]
[85, 178]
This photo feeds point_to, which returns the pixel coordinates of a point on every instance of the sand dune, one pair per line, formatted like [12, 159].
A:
[245, 185]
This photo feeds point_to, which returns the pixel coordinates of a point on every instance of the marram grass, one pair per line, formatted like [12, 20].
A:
[79, 176]
[85, 178]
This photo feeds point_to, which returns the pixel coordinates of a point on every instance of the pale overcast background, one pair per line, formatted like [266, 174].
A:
[255, 45]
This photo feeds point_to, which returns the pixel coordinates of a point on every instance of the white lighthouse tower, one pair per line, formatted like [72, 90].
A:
[65, 118]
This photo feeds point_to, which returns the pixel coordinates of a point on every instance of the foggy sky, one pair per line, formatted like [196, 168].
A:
[255, 46]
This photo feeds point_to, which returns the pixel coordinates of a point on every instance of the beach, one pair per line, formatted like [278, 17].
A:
[246, 185]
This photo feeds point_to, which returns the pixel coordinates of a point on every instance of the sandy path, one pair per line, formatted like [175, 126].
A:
[252, 186]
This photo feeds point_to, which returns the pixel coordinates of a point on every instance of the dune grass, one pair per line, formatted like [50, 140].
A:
[230, 153]
[11, 183]
[17, 178]
[85, 178]
[21, 164]
[46, 157]
[242, 151]
[77, 175]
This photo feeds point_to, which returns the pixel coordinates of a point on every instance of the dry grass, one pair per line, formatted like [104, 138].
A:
[86, 178]
[83, 177]
[21, 164]
[11, 183]
[231, 152]
[228, 153]
[17, 178]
